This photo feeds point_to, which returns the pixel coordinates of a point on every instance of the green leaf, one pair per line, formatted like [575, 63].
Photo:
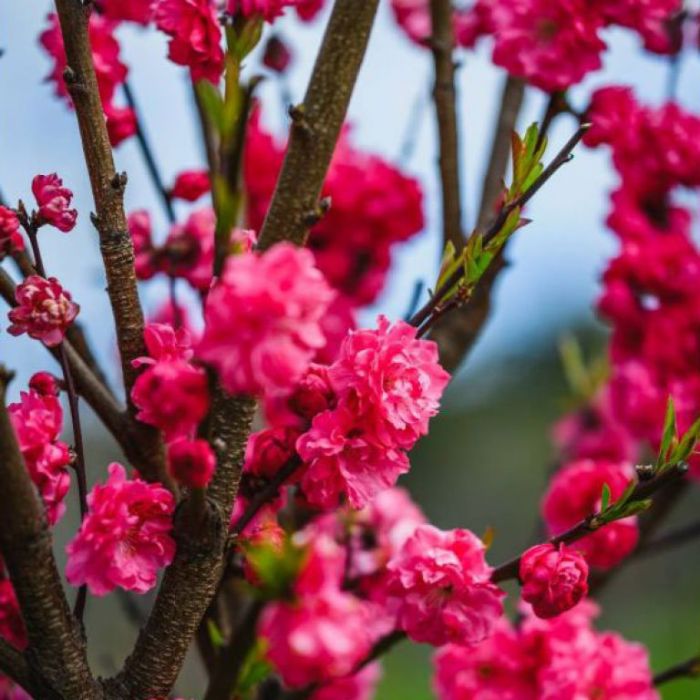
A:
[635, 508]
[275, 567]
[212, 103]
[687, 444]
[215, 636]
[669, 433]
[255, 669]
[448, 264]
[605, 498]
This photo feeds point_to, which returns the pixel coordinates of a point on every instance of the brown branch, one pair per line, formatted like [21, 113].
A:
[109, 218]
[671, 540]
[445, 99]
[685, 669]
[643, 490]
[316, 124]
[56, 651]
[457, 332]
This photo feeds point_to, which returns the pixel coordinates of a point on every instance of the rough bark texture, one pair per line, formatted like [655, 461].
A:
[317, 122]
[457, 331]
[109, 218]
[56, 652]
[445, 99]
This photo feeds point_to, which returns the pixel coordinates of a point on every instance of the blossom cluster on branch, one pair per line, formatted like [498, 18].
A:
[292, 545]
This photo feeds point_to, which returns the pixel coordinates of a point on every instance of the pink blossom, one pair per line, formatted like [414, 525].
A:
[54, 201]
[322, 632]
[442, 585]
[278, 55]
[269, 450]
[191, 462]
[44, 310]
[360, 686]
[554, 579]
[139, 224]
[413, 16]
[313, 394]
[11, 240]
[343, 461]
[121, 123]
[190, 185]
[575, 493]
[9, 690]
[262, 337]
[44, 384]
[165, 343]
[551, 45]
[265, 9]
[38, 420]
[195, 36]
[109, 69]
[189, 249]
[172, 395]
[500, 668]
[308, 9]
[139, 11]
[125, 538]
[392, 379]
[12, 627]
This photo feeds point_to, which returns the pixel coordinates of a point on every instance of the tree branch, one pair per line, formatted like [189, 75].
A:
[56, 651]
[643, 490]
[109, 218]
[685, 669]
[457, 332]
[445, 99]
[316, 123]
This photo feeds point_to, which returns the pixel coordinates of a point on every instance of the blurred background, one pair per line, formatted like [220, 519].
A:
[485, 462]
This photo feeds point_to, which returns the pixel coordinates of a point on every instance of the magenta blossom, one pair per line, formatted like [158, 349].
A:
[442, 587]
[125, 538]
[44, 310]
[54, 202]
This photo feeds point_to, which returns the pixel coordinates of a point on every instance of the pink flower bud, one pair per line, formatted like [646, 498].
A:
[139, 225]
[121, 123]
[44, 310]
[554, 579]
[277, 55]
[313, 394]
[191, 462]
[44, 383]
[269, 450]
[190, 185]
[11, 240]
[54, 201]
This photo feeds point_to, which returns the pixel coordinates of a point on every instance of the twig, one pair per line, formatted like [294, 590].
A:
[564, 156]
[232, 656]
[412, 128]
[675, 538]
[109, 218]
[643, 490]
[445, 99]
[148, 155]
[685, 669]
[457, 332]
[266, 494]
[56, 647]
[316, 123]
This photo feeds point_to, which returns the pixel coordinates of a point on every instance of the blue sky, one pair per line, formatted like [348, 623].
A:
[556, 260]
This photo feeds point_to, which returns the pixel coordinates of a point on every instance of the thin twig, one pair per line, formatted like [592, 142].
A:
[685, 669]
[148, 155]
[643, 490]
[675, 538]
[14, 665]
[445, 99]
[564, 156]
